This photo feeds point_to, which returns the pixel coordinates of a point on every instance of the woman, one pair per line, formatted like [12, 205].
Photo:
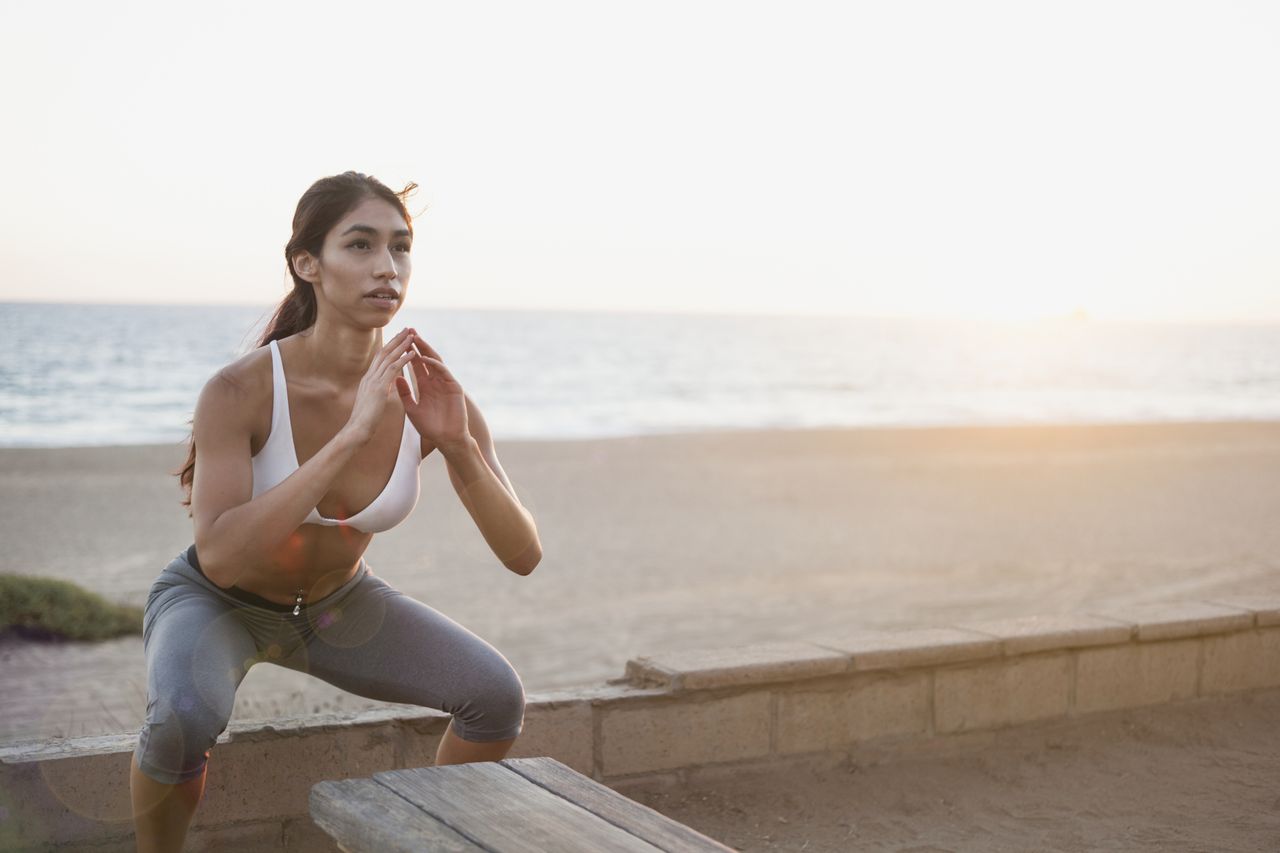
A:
[292, 478]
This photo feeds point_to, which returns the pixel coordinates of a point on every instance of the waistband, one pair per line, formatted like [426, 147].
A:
[254, 600]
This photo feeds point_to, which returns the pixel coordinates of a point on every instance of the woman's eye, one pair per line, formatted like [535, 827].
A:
[404, 247]
[360, 244]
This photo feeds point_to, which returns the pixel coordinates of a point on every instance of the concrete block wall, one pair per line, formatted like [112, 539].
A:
[691, 712]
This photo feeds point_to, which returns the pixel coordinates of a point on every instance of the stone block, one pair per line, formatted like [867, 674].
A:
[560, 730]
[1265, 608]
[732, 666]
[255, 778]
[662, 736]
[1026, 635]
[561, 696]
[274, 728]
[417, 748]
[627, 695]
[1175, 620]
[1001, 693]
[955, 744]
[432, 724]
[74, 801]
[1135, 674]
[419, 737]
[876, 705]
[872, 650]
[1245, 661]
[67, 747]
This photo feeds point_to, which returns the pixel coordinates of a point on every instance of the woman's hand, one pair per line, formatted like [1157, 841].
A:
[374, 391]
[440, 412]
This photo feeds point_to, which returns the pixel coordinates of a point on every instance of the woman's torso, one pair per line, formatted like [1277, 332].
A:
[317, 558]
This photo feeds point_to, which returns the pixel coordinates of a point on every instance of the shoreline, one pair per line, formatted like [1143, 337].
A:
[1192, 423]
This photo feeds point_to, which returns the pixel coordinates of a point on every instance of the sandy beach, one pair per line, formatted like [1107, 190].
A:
[665, 542]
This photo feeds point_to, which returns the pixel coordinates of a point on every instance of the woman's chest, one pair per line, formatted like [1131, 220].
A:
[369, 470]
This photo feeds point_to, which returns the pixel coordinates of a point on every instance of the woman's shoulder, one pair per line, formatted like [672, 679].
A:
[247, 377]
[242, 391]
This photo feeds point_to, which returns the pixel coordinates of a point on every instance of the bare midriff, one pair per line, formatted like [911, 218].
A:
[315, 559]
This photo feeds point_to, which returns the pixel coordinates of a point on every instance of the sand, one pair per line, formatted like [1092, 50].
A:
[666, 542]
[1195, 776]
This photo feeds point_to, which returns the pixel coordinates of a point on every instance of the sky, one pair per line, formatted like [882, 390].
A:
[1011, 160]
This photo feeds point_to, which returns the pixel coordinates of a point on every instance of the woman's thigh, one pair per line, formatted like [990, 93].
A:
[381, 644]
[197, 653]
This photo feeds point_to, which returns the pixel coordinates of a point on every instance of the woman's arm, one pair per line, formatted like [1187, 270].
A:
[485, 491]
[234, 531]
[449, 419]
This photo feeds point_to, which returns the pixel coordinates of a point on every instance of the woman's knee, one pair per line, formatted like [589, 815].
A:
[494, 710]
[175, 739]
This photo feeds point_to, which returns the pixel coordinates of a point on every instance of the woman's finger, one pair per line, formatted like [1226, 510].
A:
[400, 337]
[389, 350]
[404, 389]
[403, 359]
[394, 368]
[420, 369]
[437, 368]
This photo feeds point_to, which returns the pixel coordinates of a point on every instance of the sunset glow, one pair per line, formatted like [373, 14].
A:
[992, 160]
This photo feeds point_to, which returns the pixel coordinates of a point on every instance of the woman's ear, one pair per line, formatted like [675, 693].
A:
[306, 266]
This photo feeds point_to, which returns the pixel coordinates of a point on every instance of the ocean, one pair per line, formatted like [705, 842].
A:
[79, 375]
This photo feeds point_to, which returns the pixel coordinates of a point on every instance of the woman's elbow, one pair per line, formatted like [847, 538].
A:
[213, 567]
[527, 561]
[220, 577]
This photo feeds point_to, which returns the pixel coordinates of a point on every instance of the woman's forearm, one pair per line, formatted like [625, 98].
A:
[506, 525]
[241, 538]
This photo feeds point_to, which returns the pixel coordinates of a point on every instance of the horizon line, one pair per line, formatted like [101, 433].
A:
[1078, 316]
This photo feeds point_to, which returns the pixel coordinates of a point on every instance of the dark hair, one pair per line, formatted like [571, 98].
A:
[321, 207]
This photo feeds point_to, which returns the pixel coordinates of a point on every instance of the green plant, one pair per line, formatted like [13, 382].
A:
[44, 608]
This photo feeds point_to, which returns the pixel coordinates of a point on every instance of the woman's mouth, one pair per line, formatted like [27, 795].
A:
[383, 301]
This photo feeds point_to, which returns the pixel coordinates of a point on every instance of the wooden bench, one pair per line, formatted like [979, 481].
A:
[517, 804]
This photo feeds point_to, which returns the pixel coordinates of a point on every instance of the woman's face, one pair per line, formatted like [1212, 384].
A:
[366, 257]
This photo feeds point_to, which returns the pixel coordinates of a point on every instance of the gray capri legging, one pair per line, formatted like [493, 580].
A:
[365, 637]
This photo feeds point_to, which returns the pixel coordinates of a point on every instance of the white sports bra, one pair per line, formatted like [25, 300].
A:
[278, 458]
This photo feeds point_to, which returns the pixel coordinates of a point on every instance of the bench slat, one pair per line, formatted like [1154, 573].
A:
[638, 819]
[365, 817]
[501, 810]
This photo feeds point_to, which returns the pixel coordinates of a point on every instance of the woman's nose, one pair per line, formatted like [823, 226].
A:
[386, 267]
